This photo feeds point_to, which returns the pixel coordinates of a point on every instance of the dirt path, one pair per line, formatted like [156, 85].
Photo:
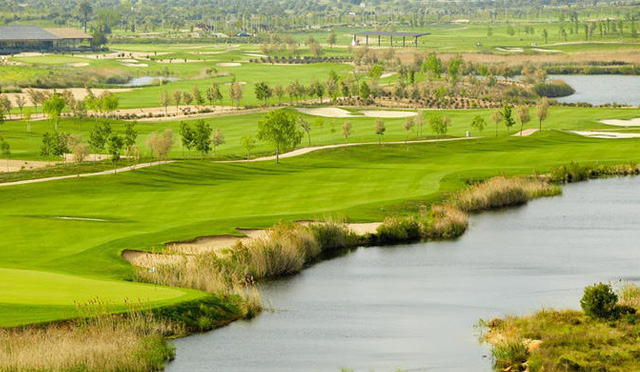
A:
[110, 171]
[18, 165]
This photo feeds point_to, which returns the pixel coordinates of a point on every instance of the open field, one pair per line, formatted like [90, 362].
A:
[137, 210]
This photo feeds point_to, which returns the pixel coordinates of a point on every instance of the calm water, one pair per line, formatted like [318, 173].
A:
[147, 80]
[601, 89]
[415, 306]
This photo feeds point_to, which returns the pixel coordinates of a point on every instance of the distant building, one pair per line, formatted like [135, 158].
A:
[243, 34]
[16, 39]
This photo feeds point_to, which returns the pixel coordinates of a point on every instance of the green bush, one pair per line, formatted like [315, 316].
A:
[600, 302]
[552, 89]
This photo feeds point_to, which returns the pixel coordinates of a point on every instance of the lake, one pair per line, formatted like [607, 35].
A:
[414, 306]
[602, 89]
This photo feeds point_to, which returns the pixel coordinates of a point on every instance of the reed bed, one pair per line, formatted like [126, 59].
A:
[133, 342]
[499, 192]
[446, 222]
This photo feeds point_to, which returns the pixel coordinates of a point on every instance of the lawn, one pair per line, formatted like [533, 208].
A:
[26, 146]
[145, 208]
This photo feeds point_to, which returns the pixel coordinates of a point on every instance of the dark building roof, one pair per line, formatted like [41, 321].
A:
[25, 33]
[385, 33]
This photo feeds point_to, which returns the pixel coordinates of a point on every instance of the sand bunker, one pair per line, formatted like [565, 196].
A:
[128, 60]
[229, 64]
[546, 50]
[179, 61]
[179, 252]
[80, 219]
[135, 64]
[387, 74]
[510, 50]
[525, 133]
[255, 55]
[622, 123]
[18, 165]
[334, 112]
[78, 64]
[606, 135]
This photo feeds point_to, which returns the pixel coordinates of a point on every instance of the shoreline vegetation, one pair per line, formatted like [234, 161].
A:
[230, 276]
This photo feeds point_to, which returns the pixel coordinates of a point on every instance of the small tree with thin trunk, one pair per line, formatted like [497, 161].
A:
[53, 107]
[542, 111]
[522, 114]
[306, 127]
[332, 39]
[478, 123]
[5, 149]
[507, 116]
[115, 143]
[439, 125]
[380, 129]
[235, 93]
[5, 104]
[27, 118]
[188, 137]
[80, 152]
[497, 118]
[217, 140]
[346, 130]
[278, 91]
[20, 102]
[280, 129]
[177, 98]
[202, 137]
[213, 94]
[165, 101]
[409, 123]
[248, 143]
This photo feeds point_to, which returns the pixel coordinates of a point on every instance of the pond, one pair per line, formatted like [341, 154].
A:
[602, 89]
[141, 81]
[414, 306]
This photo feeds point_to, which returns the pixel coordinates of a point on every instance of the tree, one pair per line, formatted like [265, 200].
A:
[489, 31]
[165, 101]
[263, 92]
[213, 93]
[27, 118]
[497, 118]
[317, 89]
[98, 137]
[5, 149]
[177, 98]
[217, 140]
[409, 123]
[248, 143]
[21, 101]
[53, 107]
[279, 128]
[278, 91]
[80, 152]
[197, 95]
[380, 129]
[478, 123]
[306, 127]
[542, 110]
[332, 39]
[5, 104]
[332, 88]
[35, 96]
[522, 114]
[115, 143]
[433, 66]
[110, 102]
[85, 9]
[1, 118]
[235, 93]
[599, 301]
[507, 116]
[130, 134]
[439, 125]
[346, 130]
[55, 144]
[545, 35]
[188, 137]
[365, 91]
[160, 144]
[420, 119]
[202, 137]
[187, 98]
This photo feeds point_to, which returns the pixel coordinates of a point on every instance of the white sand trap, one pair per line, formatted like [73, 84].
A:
[179, 61]
[387, 74]
[149, 260]
[78, 64]
[510, 50]
[80, 219]
[327, 112]
[525, 133]
[622, 123]
[364, 228]
[90, 157]
[135, 65]
[255, 55]
[388, 114]
[229, 64]
[546, 50]
[239, 82]
[128, 60]
[606, 135]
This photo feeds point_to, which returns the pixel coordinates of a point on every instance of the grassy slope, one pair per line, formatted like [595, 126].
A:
[26, 146]
[148, 207]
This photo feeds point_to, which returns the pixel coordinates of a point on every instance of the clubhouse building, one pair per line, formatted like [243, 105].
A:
[17, 39]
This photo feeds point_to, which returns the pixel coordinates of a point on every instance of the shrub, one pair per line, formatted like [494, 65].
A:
[553, 89]
[501, 192]
[398, 230]
[332, 236]
[600, 302]
[446, 222]
[509, 355]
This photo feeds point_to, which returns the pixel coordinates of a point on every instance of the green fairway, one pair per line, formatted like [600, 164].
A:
[146, 208]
